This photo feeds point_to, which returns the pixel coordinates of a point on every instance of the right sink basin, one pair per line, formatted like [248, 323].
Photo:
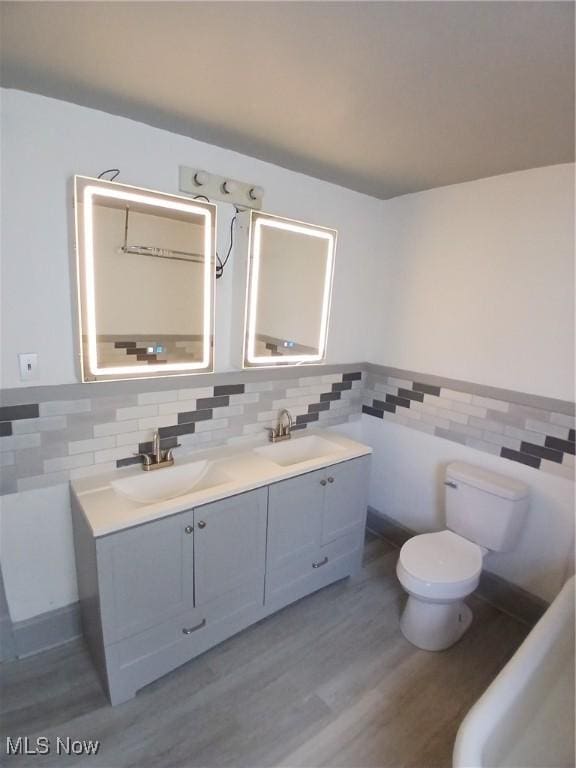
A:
[299, 450]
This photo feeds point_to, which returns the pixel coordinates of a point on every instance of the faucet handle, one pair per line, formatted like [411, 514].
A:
[146, 458]
[167, 454]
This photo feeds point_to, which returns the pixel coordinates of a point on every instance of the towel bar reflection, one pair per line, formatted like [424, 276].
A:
[158, 253]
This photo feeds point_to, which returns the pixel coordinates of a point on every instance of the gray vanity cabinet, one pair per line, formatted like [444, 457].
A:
[158, 594]
[316, 528]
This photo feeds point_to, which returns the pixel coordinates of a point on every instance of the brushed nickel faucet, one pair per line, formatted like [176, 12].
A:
[283, 429]
[160, 457]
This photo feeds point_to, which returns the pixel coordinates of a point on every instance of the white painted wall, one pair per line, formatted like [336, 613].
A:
[45, 142]
[37, 551]
[407, 486]
[476, 282]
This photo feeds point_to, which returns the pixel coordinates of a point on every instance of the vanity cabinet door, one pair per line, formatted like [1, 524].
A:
[295, 519]
[345, 500]
[146, 575]
[294, 533]
[230, 550]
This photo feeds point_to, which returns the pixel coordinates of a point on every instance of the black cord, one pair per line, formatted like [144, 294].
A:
[219, 263]
[222, 264]
[115, 171]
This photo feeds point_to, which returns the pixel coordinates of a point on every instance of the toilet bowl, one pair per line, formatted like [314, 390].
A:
[438, 570]
[484, 513]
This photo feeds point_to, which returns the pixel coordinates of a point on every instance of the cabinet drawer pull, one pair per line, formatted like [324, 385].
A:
[322, 482]
[201, 524]
[189, 630]
[320, 563]
[330, 479]
[188, 529]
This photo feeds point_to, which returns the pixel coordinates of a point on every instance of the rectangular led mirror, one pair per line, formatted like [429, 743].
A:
[288, 294]
[146, 274]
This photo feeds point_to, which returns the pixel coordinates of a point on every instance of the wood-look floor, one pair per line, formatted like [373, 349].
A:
[329, 681]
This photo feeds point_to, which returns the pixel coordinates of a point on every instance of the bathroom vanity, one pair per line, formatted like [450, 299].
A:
[169, 567]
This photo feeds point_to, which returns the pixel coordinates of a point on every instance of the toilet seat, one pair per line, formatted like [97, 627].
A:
[440, 566]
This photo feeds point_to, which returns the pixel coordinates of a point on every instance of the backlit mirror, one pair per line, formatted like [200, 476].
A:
[145, 281]
[289, 285]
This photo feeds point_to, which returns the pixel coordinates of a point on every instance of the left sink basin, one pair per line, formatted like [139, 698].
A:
[169, 483]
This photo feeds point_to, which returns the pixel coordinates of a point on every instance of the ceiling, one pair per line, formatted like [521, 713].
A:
[382, 97]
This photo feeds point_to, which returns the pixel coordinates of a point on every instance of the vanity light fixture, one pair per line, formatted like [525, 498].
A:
[92, 192]
[259, 224]
[242, 194]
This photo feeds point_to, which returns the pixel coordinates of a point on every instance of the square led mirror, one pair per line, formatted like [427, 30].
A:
[146, 271]
[289, 285]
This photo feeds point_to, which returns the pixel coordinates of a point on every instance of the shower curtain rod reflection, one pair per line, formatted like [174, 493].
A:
[158, 253]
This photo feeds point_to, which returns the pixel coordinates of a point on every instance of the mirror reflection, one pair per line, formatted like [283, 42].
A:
[291, 266]
[146, 266]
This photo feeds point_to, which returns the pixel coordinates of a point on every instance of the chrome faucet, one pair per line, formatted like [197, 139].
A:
[156, 450]
[283, 429]
[160, 457]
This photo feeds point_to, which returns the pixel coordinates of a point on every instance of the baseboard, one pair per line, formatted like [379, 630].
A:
[47, 630]
[388, 529]
[510, 598]
[502, 594]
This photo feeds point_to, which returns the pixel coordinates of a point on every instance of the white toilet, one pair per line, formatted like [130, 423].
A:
[484, 513]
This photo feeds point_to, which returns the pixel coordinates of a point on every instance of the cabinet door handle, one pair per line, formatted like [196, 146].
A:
[320, 563]
[189, 630]
[201, 524]
[330, 479]
[322, 482]
[450, 484]
[189, 529]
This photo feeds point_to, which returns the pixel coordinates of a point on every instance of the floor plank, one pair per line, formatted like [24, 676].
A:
[329, 681]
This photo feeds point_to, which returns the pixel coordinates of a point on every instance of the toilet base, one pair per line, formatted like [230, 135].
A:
[434, 626]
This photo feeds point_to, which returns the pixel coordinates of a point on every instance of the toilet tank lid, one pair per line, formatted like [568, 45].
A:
[485, 480]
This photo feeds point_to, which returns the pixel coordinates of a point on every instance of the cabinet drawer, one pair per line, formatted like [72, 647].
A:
[344, 545]
[138, 660]
[298, 578]
[144, 657]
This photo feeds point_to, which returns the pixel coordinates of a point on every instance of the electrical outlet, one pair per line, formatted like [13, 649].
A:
[28, 362]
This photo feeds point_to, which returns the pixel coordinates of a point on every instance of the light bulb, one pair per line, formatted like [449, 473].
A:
[201, 178]
[256, 193]
[229, 187]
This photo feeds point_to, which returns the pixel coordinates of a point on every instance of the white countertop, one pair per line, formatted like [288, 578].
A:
[107, 511]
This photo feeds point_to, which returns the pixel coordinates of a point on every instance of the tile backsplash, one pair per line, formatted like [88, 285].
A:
[53, 441]
[517, 427]
[72, 431]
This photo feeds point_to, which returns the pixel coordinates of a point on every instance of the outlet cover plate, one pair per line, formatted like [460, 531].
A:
[28, 364]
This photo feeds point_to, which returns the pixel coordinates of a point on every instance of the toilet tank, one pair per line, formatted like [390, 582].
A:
[485, 507]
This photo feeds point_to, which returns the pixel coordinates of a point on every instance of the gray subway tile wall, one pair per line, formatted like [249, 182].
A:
[536, 436]
[67, 439]
[96, 428]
